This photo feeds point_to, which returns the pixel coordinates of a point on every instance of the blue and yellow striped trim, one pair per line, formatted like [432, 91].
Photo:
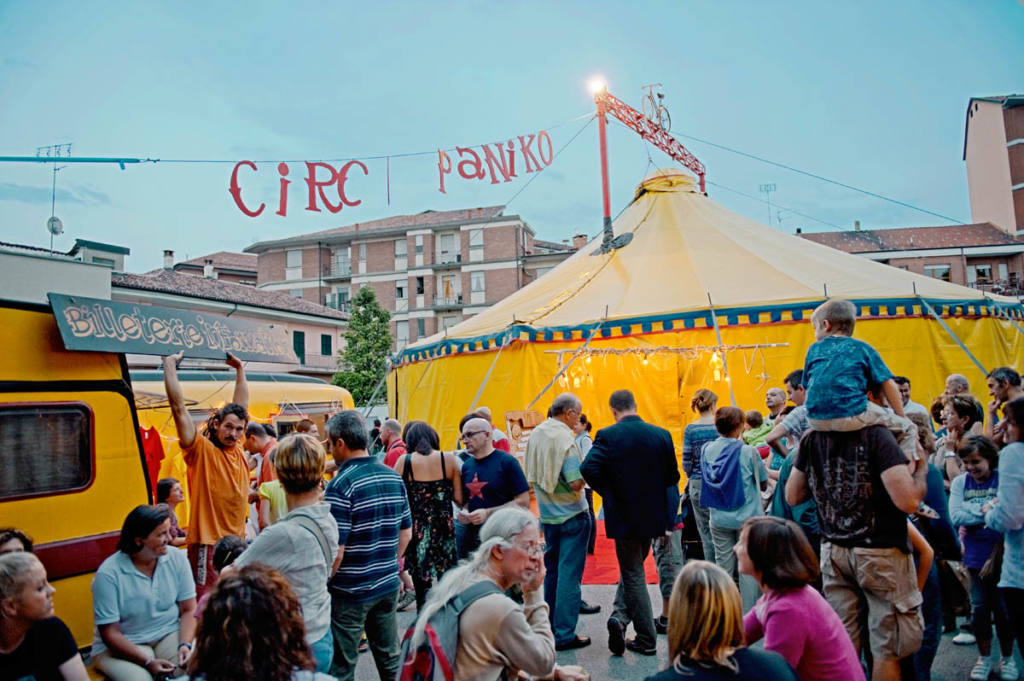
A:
[874, 308]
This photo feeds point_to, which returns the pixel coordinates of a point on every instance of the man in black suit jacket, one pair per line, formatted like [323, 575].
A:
[632, 465]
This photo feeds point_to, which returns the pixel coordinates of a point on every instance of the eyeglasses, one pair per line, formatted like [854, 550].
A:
[533, 549]
[467, 435]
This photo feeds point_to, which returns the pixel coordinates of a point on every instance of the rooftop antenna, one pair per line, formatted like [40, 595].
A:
[767, 190]
[55, 151]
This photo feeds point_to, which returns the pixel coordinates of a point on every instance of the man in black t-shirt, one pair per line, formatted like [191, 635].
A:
[491, 479]
[864, 490]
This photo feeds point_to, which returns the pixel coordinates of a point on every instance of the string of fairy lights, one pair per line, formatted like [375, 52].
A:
[576, 377]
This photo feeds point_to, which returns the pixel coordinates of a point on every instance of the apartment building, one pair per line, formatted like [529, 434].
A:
[430, 270]
[987, 254]
[981, 256]
[994, 155]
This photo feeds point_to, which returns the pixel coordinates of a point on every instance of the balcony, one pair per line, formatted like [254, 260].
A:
[447, 302]
[1004, 287]
[401, 305]
[446, 260]
[341, 268]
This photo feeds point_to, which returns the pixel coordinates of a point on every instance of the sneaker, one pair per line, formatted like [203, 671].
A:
[981, 670]
[964, 638]
[1008, 669]
[661, 625]
[364, 645]
[641, 649]
[405, 600]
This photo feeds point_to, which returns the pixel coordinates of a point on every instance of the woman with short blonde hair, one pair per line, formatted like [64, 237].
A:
[303, 544]
[705, 632]
[300, 461]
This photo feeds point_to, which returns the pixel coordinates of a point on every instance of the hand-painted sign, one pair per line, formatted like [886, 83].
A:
[316, 183]
[501, 158]
[112, 326]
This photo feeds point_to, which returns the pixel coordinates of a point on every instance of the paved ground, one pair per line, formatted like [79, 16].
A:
[953, 663]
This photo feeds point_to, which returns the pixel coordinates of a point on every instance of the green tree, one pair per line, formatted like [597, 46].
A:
[367, 345]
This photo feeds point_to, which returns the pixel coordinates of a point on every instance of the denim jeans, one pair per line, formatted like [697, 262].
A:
[931, 610]
[592, 542]
[564, 557]
[377, 618]
[702, 516]
[323, 652]
[632, 601]
[986, 605]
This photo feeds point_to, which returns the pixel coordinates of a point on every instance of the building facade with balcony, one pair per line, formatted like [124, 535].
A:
[430, 270]
[981, 256]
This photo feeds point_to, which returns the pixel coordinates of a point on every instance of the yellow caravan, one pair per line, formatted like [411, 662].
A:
[71, 464]
[72, 457]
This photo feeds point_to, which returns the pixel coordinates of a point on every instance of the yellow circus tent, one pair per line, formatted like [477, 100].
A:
[700, 298]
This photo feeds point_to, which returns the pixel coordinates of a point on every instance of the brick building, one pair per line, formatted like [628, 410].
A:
[429, 270]
[237, 268]
[981, 256]
[986, 254]
[994, 153]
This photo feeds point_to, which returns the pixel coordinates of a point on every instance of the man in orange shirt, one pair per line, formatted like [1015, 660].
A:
[218, 473]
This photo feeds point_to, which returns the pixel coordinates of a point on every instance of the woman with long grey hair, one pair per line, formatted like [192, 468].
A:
[495, 632]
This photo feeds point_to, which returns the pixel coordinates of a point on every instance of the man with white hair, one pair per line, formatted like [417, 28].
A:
[498, 438]
[956, 384]
[775, 400]
[553, 468]
[491, 479]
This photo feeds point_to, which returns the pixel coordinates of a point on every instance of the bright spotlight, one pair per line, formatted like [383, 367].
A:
[597, 85]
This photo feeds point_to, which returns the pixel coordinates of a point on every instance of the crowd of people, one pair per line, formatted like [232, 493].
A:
[840, 530]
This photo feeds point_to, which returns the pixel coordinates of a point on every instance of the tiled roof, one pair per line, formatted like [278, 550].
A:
[427, 217]
[551, 246]
[914, 238]
[177, 283]
[396, 222]
[33, 249]
[225, 259]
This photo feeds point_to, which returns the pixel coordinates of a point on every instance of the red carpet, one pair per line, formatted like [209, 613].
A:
[602, 568]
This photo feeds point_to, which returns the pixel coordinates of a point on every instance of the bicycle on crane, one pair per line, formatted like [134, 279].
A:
[654, 109]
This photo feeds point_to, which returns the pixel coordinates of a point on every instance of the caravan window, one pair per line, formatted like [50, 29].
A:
[47, 448]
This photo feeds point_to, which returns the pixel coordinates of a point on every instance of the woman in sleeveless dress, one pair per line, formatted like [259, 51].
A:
[432, 482]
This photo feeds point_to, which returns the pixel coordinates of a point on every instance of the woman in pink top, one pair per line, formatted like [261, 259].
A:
[795, 620]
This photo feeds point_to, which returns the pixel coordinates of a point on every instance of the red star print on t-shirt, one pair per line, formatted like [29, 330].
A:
[476, 487]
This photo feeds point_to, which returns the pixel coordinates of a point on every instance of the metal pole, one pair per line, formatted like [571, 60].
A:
[928, 308]
[721, 348]
[602, 136]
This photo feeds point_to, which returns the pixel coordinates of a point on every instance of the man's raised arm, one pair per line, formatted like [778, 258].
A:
[241, 396]
[176, 398]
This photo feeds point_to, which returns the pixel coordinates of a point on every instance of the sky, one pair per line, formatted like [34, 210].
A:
[871, 94]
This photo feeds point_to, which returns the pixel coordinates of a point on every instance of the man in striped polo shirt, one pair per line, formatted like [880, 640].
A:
[368, 501]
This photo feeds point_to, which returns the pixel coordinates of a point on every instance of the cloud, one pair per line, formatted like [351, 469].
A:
[9, 191]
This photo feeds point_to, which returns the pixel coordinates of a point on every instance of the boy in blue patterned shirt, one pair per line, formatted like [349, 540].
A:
[837, 373]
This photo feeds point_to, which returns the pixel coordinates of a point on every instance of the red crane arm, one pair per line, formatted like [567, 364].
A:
[650, 131]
